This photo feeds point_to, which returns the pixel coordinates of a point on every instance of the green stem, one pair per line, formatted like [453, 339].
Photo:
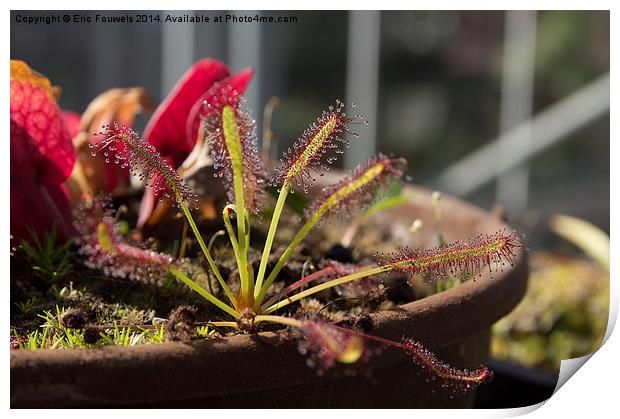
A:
[206, 252]
[235, 151]
[242, 240]
[279, 319]
[326, 285]
[234, 325]
[301, 234]
[231, 234]
[270, 235]
[206, 294]
[303, 281]
[183, 241]
[247, 236]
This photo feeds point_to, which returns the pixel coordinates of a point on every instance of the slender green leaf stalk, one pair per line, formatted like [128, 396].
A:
[183, 247]
[270, 236]
[287, 321]
[234, 325]
[206, 294]
[330, 284]
[248, 229]
[305, 280]
[231, 232]
[235, 151]
[365, 177]
[206, 252]
[301, 234]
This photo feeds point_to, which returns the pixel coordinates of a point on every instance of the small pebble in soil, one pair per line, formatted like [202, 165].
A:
[400, 291]
[364, 323]
[339, 253]
[92, 335]
[73, 319]
[180, 325]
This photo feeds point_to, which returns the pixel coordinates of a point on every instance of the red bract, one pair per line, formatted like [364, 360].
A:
[72, 122]
[166, 128]
[226, 91]
[42, 157]
[49, 146]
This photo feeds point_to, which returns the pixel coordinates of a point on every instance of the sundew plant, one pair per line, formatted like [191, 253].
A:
[230, 130]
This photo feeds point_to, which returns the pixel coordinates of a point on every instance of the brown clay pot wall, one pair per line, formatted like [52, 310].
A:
[262, 371]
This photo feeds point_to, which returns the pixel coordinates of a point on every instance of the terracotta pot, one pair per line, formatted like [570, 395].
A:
[262, 371]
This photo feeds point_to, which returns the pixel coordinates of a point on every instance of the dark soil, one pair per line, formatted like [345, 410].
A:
[94, 302]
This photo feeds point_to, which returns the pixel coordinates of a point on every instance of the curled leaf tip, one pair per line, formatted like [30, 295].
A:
[447, 376]
[329, 344]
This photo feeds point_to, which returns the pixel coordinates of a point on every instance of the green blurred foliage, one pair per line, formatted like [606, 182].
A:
[563, 315]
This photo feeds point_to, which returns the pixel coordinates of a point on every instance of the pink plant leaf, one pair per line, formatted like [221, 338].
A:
[166, 128]
[235, 84]
[72, 122]
[38, 207]
[176, 143]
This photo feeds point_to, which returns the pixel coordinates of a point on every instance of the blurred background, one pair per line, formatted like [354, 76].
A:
[499, 108]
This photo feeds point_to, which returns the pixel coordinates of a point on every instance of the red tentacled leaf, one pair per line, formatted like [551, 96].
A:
[105, 249]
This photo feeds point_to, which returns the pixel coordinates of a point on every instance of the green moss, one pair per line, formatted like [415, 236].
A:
[563, 315]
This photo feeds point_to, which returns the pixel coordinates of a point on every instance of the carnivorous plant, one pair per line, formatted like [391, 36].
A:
[230, 130]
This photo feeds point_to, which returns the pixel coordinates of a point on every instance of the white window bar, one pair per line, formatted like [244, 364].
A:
[517, 93]
[244, 50]
[177, 54]
[547, 128]
[363, 79]
[210, 39]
